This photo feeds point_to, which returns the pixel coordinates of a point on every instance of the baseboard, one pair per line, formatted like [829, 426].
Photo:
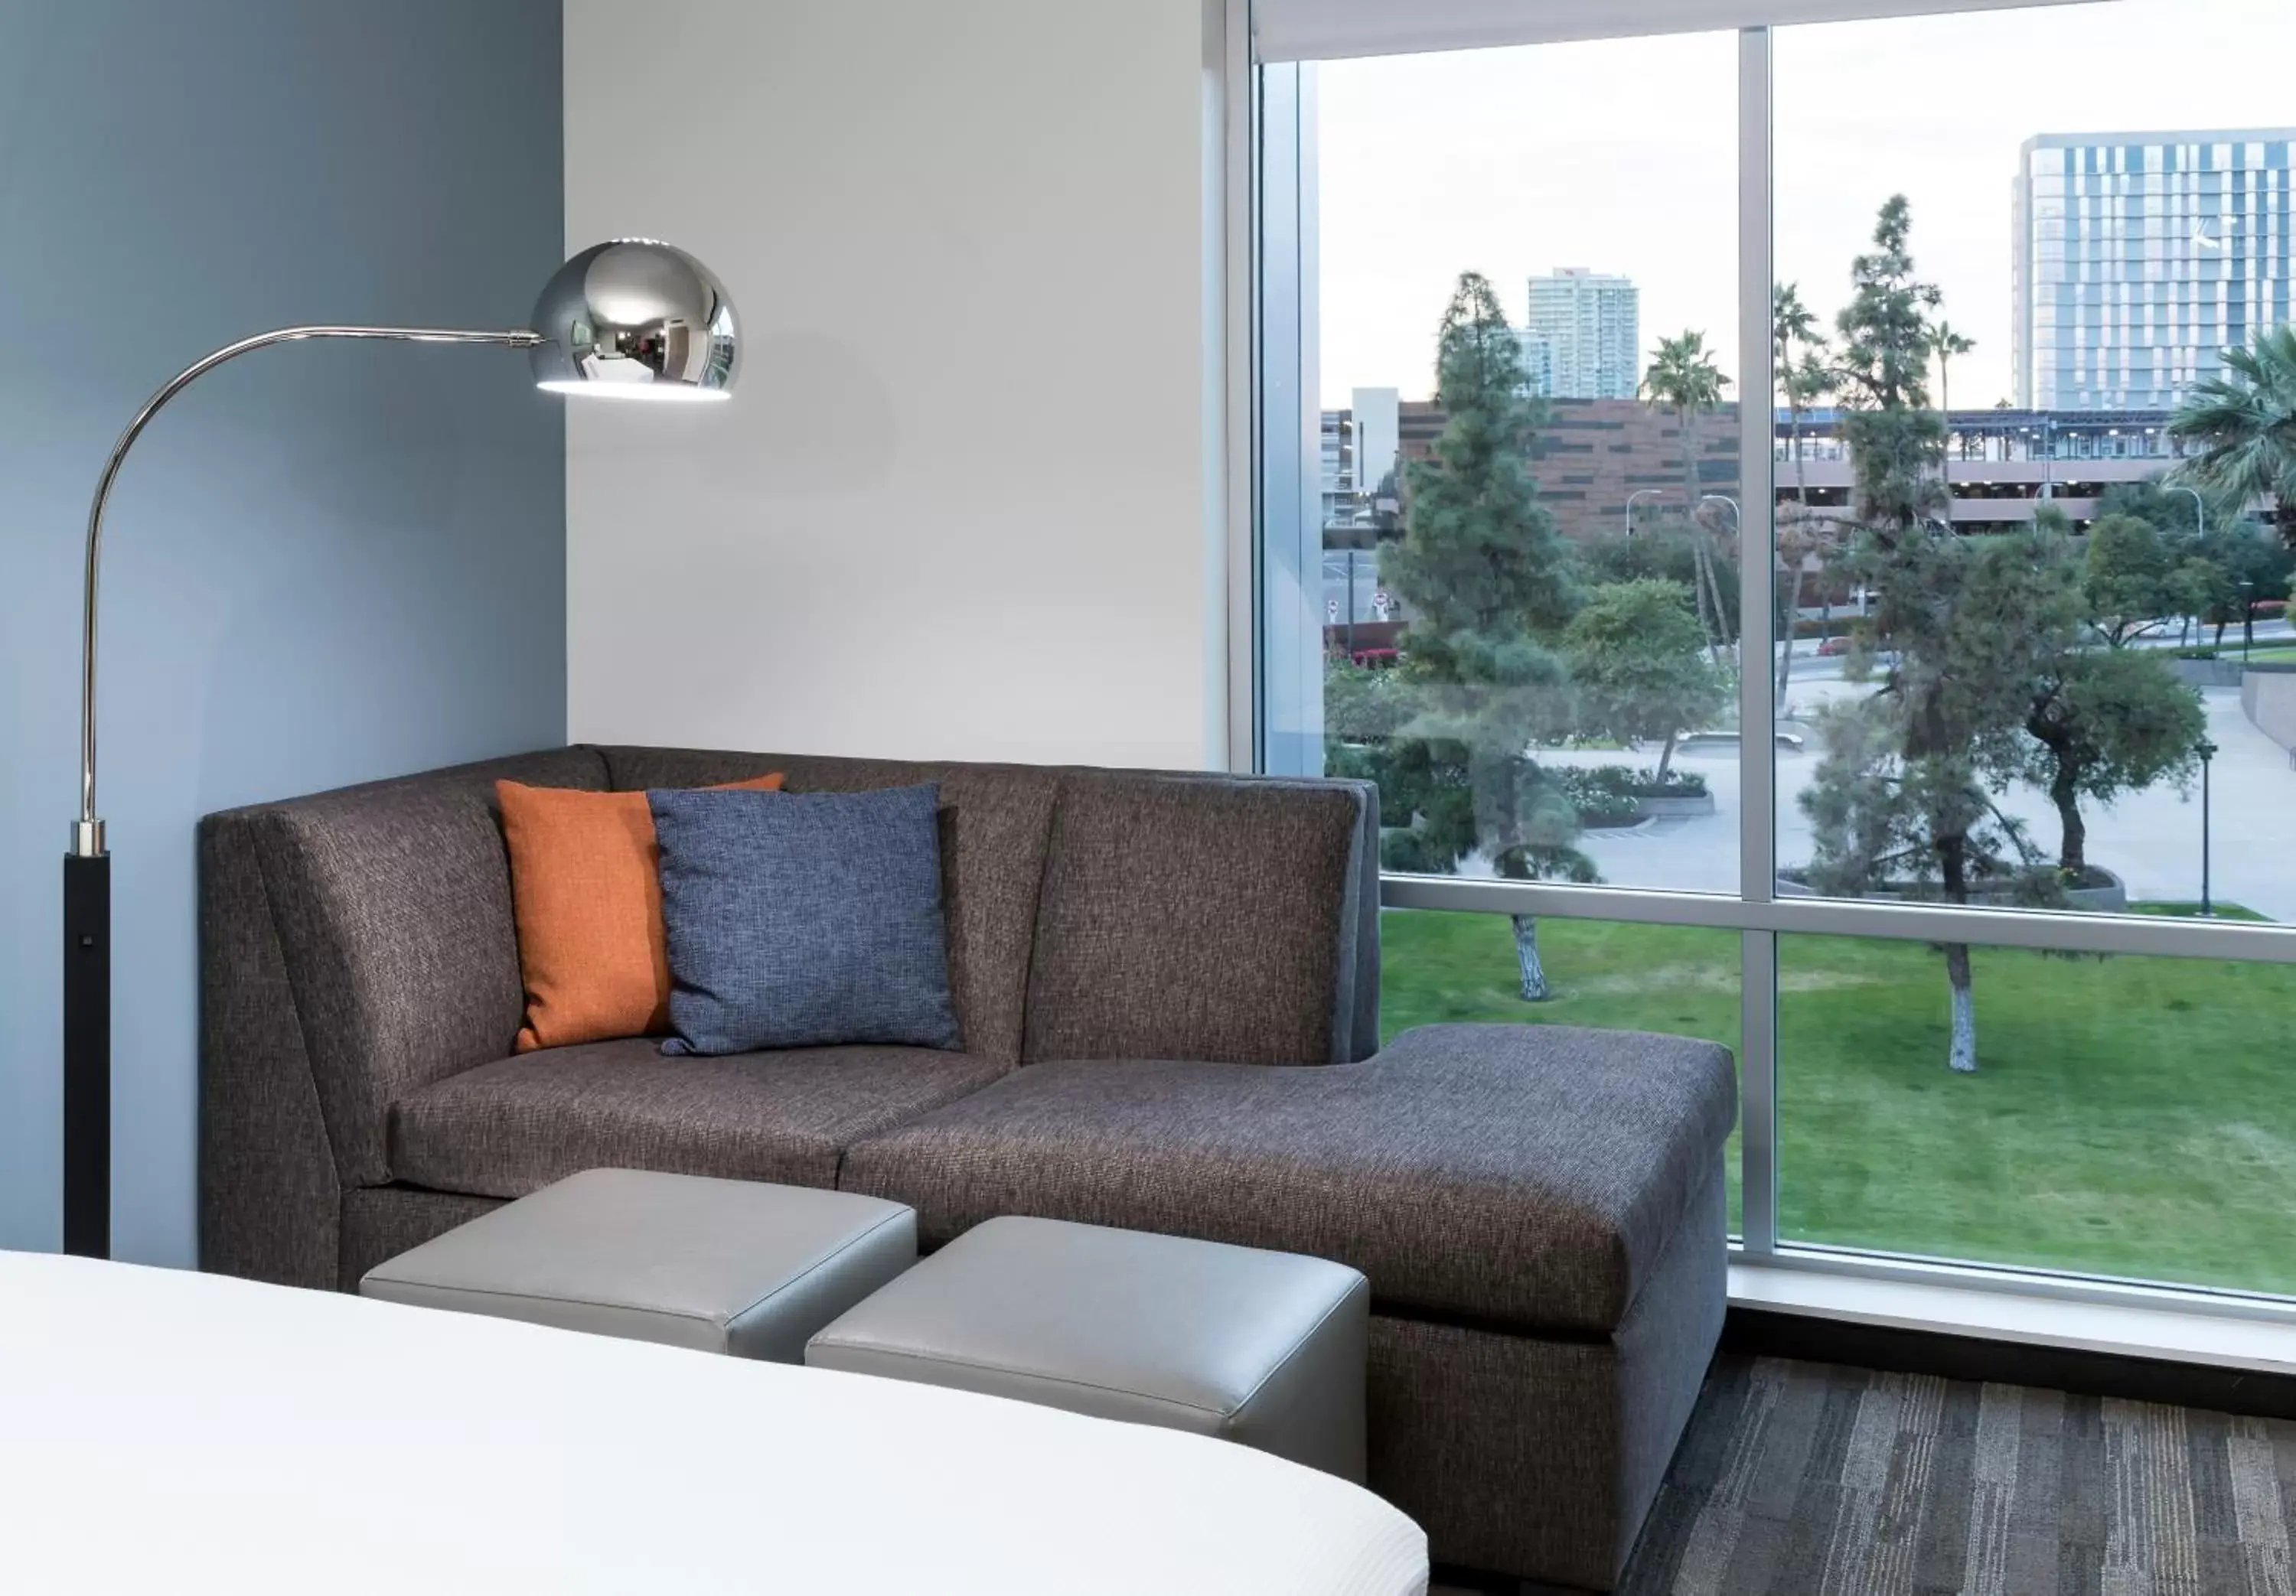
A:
[1893, 1349]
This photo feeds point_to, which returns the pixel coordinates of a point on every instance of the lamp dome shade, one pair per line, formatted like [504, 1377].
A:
[635, 318]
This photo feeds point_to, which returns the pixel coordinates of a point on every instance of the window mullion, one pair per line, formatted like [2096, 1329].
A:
[1758, 1059]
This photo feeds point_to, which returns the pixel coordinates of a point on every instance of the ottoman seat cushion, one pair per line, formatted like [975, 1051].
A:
[731, 1266]
[1524, 1177]
[1263, 1349]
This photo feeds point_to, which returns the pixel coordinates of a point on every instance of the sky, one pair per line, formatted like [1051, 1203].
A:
[1622, 156]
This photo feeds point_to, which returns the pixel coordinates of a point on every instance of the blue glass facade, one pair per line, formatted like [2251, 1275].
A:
[2140, 258]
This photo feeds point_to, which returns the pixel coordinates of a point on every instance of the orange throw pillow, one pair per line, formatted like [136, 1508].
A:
[586, 889]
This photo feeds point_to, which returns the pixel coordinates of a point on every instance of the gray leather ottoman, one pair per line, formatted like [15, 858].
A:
[1266, 1348]
[732, 1266]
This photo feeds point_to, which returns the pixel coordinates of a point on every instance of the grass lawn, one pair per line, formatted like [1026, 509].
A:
[2191, 910]
[2130, 1115]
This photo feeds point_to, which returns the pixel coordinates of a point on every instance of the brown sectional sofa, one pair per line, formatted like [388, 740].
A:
[1168, 985]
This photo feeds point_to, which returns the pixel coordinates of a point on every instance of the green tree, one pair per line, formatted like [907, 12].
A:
[2170, 509]
[2247, 566]
[2104, 722]
[1899, 796]
[1361, 705]
[2244, 422]
[1684, 377]
[1488, 582]
[1637, 658]
[1666, 552]
[2136, 580]
[2100, 722]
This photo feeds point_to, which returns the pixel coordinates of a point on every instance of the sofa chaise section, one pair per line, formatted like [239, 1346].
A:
[1525, 1178]
[1539, 1210]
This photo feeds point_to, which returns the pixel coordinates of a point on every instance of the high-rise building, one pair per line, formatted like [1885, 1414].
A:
[2140, 258]
[1537, 362]
[1359, 453]
[1592, 326]
[1376, 423]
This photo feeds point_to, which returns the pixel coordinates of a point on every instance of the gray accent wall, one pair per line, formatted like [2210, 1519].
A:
[325, 563]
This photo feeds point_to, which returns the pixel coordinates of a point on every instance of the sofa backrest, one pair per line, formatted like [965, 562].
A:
[1091, 914]
[1209, 918]
[1116, 914]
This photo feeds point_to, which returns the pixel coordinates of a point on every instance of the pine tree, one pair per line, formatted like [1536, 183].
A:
[1485, 575]
[1900, 797]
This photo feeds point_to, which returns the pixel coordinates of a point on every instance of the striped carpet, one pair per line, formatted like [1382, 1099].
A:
[1809, 1479]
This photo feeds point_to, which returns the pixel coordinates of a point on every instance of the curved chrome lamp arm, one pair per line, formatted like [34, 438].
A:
[87, 832]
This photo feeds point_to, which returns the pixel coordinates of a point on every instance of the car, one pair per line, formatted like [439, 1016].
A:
[1832, 646]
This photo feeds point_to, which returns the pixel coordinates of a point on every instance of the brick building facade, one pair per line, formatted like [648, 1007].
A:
[1594, 454]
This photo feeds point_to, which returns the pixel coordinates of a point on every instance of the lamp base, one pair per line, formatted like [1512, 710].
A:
[87, 1055]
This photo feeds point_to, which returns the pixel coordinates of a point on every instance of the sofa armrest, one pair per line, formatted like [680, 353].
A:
[270, 1197]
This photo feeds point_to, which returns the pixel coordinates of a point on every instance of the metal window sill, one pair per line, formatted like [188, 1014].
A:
[2185, 1327]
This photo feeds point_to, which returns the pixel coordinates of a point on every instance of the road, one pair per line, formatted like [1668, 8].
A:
[1810, 665]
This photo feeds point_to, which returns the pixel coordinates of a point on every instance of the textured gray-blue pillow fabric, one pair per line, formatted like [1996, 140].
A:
[803, 919]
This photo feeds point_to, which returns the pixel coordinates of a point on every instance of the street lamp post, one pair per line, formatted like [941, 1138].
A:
[1738, 520]
[2199, 511]
[2207, 750]
[1639, 493]
[2200, 504]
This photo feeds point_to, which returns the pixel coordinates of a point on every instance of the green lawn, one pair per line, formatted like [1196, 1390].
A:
[2130, 1115]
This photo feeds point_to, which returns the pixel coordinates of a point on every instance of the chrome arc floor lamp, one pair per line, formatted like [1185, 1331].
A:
[632, 318]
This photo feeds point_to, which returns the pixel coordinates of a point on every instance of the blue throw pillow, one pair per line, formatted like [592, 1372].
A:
[803, 919]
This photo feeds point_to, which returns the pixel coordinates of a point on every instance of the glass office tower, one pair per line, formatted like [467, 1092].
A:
[2140, 257]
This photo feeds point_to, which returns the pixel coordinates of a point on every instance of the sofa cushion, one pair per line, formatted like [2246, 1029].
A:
[804, 918]
[1190, 916]
[586, 885]
[995, 821]
[512, 1126]
[1521, 1176]
[391, 904]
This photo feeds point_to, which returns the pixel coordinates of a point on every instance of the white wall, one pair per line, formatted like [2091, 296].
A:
[959, 506]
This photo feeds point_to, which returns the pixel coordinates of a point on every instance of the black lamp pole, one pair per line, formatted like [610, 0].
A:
[87, 1055]
[2207, 751]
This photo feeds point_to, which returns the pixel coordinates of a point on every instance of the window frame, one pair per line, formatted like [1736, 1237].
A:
[1268, 443]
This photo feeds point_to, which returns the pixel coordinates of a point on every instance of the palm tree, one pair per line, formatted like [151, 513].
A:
[1802, 384]
[2245, 422]
[1810, 532]
[1791, 323]
[1683, 377]
[1947, 343]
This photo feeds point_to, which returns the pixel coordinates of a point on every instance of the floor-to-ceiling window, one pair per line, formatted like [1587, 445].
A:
[1785, 515]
